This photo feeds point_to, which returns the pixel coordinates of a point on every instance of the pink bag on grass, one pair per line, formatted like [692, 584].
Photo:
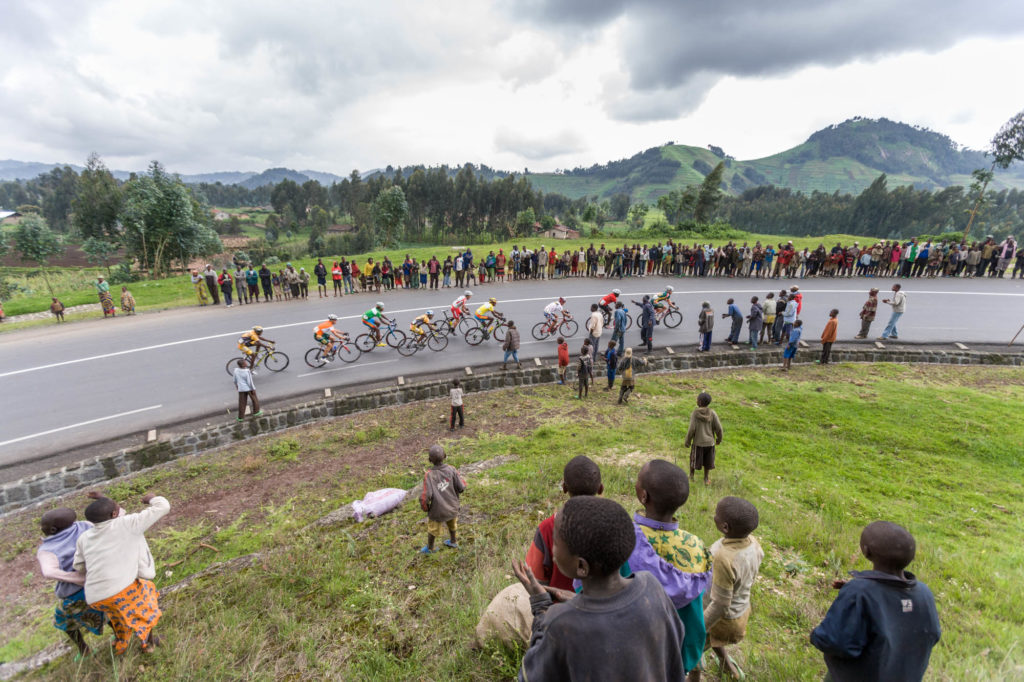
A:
[377, 503]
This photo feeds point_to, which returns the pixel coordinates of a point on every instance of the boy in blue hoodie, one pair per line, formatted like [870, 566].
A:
[883, 624]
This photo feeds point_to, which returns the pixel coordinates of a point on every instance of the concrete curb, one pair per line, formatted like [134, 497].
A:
[36, 489]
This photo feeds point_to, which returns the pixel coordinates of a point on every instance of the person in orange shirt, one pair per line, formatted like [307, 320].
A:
[828, 336]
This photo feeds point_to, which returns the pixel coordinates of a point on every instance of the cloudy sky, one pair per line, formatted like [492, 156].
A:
[334, 85]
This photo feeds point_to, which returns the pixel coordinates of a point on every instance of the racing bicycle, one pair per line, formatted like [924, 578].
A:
[274, 360]
[388, 334]
[346, 351]
[434, 339]
[567, 327]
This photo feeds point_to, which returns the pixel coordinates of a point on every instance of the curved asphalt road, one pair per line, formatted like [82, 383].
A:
[62, 388]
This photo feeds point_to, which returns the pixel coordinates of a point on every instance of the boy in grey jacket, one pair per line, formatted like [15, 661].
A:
[442, 485]
[704, 434]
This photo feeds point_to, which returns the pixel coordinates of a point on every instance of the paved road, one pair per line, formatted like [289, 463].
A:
[64, 388]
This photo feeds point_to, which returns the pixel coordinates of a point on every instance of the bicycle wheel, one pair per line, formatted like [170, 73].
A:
[673, 318]
[275, 361]
[569, 328]
[394, 338]
[499, 333]
[408, 347]
[466, 323]
[475, 336]
[437, 342]
[348, 352]
[365, 343]
[629, 321]
[232, 363]
[315, 357]
[541, 331]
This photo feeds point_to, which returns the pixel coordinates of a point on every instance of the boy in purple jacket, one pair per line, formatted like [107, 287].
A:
[442, 486]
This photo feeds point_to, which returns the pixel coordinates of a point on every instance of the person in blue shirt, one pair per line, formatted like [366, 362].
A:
[619, 327]
[883, 624]
[791, 347]
[737, 321]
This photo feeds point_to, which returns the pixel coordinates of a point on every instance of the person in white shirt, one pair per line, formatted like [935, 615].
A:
[119, 568]
[595, 325]
[899, 306]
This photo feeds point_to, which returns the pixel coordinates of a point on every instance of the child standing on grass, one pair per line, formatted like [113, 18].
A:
[737, 559]
[704, 434]
[628, 367]
[792, 345]
[828, 336]
[456, 396]
[676, 558]
[563, 359]
[611, 361]
[442, 486]
[616, 628]
[56, 558]
[119, 568]
[883, 624]
[585, 370]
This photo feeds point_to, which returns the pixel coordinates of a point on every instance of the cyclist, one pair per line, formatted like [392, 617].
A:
[372, 319]
[251, 341]
[416, 326]
[460, 307]
[485, 315]
[325, 333]
[607, 301]
[662, 303]
[552, 311]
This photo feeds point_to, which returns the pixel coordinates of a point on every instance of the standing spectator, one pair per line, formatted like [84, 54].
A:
[828, 336]
[883, 624]
[755, 322]
[646, 322]
[252, 283]
[349, 275]
[127, 301]
[460, 275]
[619, 326]
[1004, 254]
[792, 344]
[595, 325]
[291, 279]
[241, 291]
[434, 268]
[57, 308]
[585, 369]
[899, 306]
[511, 345]
[611, 360]
[338, 276]
[199, 284]
[119, 568]
[867, 314]
[320, 270]
[563, 359]
[788, 320]
[1018, 265]
[246, 390]
[225, 286]
[442, 485]
[733, 312]
[705, 324]
[780, 317]
[768, 310]
[211, 283]
[628, 367]
[704, 434]
[456, 397]
[303, 283]
[266, 283]
[795, 295]
[106, 302]
[446, 271]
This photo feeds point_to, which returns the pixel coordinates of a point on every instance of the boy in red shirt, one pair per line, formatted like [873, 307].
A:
[563, 359]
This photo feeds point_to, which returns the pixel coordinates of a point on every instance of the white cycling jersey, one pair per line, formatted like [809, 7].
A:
[553, 308]
[459, 302]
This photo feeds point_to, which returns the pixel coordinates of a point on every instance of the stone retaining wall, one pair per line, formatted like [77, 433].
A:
[91, 472]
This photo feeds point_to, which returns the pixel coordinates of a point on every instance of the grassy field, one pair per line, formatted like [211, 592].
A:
[821, 452]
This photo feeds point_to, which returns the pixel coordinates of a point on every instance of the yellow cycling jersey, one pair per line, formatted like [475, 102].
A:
[422, 319]
[485, 309]
[249, 339]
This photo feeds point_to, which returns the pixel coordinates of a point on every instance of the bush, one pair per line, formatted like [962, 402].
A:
[284, 450]
[122, 273]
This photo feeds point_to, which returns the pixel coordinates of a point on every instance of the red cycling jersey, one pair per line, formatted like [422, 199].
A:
[609, 299]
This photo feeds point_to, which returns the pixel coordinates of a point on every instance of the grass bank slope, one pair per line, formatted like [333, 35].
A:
[821, 452]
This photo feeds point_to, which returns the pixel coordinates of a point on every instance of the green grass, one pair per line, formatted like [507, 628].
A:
[821, 452]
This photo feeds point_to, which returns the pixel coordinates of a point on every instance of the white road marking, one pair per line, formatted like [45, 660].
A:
[352, 365]
[75, 426]
[512, 300]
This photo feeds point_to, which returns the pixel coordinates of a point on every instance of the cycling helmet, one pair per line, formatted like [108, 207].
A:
[616, 292]
[467, 293]
[561, 299]
[332, 317]
[380, 305]
[669, 288]
[430, 313]
[258, 329]
[492, 300]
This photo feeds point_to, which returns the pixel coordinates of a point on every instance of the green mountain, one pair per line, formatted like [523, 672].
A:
[846, 157]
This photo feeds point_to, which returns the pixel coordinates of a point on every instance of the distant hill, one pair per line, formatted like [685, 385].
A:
[846, 157]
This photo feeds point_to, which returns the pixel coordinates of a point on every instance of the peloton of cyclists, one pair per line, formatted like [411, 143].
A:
[372, 319]
[251, 341]
[325, 333]
[552, 312]
[486, 314]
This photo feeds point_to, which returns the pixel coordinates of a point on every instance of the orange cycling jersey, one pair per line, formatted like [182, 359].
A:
[323, 328]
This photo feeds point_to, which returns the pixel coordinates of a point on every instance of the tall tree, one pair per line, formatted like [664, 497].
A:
[100, 251]
[60, 187]
[98, 202]
[709, 195]
[390, 210]
[1007, 147]
[36, 243]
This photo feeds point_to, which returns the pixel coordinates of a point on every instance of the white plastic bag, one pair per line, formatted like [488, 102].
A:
[377, 503]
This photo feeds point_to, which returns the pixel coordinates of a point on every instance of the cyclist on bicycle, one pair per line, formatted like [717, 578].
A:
[663, 303]
[325, 333]
[460, 307]
[553, 310]
[608, 301]
[416, 326]
[251, 341]
[485, 315]
[372, 319]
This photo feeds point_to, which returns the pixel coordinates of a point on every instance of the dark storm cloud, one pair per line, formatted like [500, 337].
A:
[671, 46]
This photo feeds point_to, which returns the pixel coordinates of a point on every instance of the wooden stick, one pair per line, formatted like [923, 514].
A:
[1016, 335]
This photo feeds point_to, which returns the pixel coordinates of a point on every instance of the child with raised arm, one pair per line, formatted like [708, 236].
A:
[883, 624]
[56, 558]
[119, 568]
[616, 628]
[737, 559]
[442, 485]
